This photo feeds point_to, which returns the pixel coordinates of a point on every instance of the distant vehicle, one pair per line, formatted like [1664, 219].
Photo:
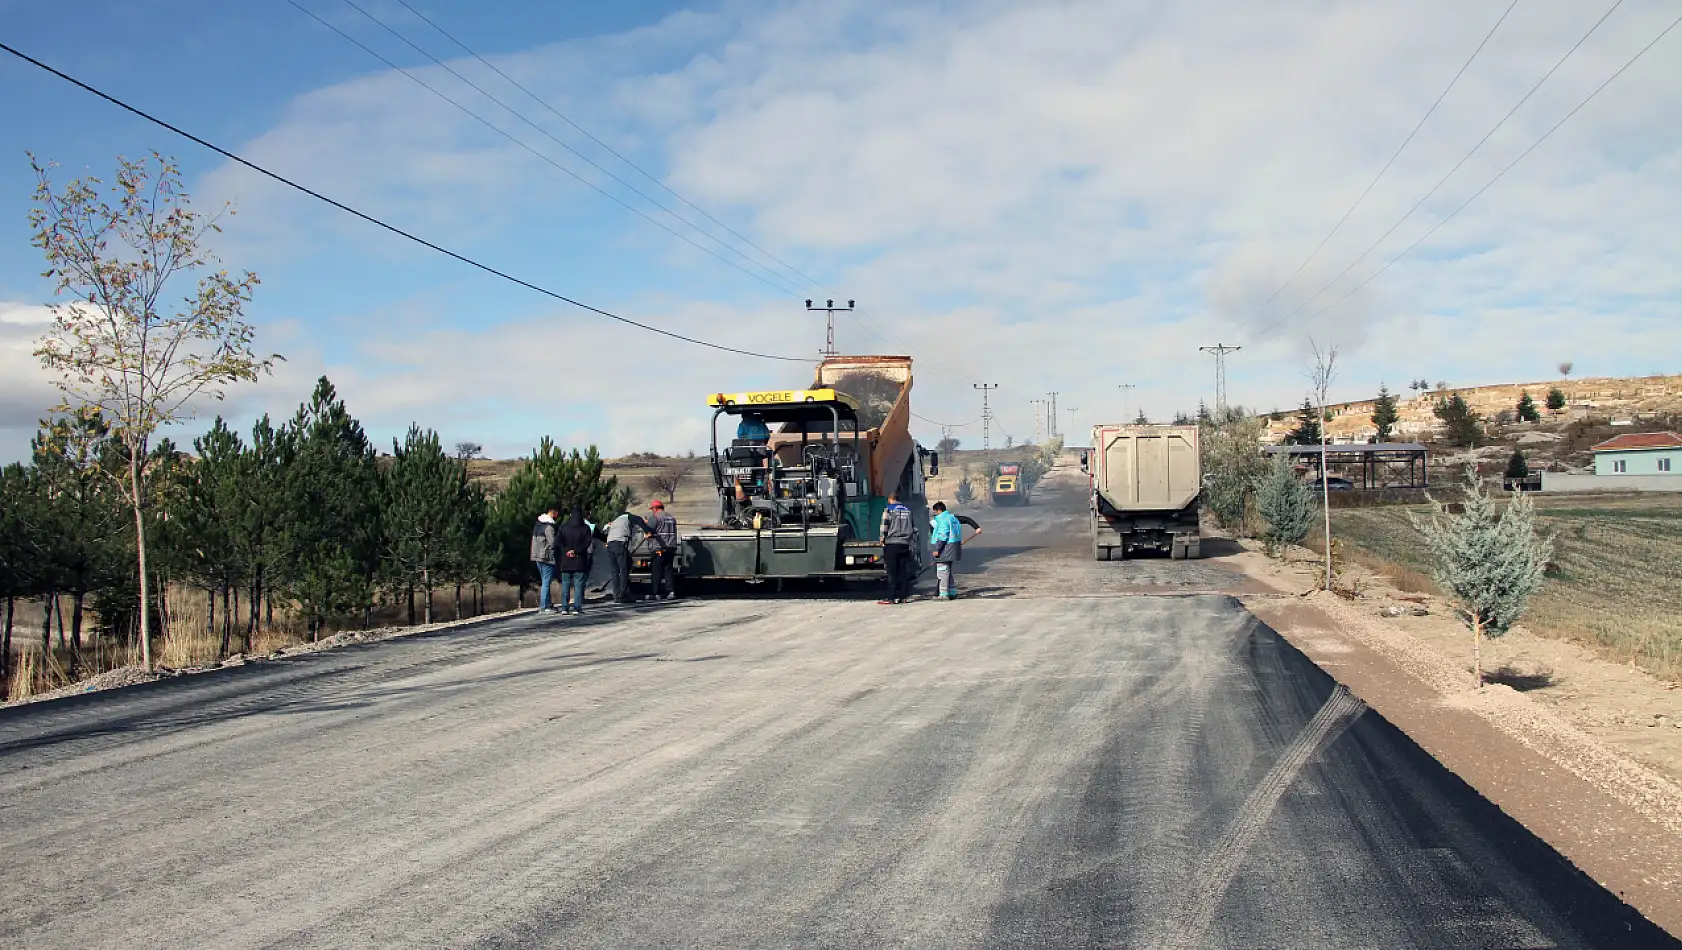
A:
[1146, 485]
[1006, 487]
[1335, 483]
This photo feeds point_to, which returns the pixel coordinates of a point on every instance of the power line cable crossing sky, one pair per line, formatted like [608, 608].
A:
[1451, 172]
[770, 281]
[275, 176]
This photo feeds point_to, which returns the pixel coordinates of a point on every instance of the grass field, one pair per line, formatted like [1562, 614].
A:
[1617, 582]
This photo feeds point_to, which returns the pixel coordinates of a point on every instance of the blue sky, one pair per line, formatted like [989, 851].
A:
[1047, 196]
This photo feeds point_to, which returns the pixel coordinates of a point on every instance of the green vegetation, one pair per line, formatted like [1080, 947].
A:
[1384, 414]
[1527, 411]
[1232, 465]
[1286, 505]
[304, 520]
[1460, 425]
[1307, 431]
[1615, 582]
[1556, 399]
[1517, 467]
[1488, 559]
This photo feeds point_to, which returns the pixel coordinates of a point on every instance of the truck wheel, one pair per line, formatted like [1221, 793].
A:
[1194, 550]
[1099, 552]
[1177, 551]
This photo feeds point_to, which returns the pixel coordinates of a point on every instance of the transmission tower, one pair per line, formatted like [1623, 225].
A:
[830, 310]
[1038, 405]
[1220, 350]
[1051, 416]
[987, 421]
[1125, 387]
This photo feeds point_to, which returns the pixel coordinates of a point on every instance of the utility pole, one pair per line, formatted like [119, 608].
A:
[1052, 416]
[830, 310]
[1072, 410]
[1038, 404]
[1220, 350]
[1124, 387]
[987, 422]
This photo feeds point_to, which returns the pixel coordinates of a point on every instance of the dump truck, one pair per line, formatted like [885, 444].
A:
[1146, 482]
[806, 502]
[1006, 486]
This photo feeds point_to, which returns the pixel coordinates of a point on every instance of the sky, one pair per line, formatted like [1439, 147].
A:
[1058, 196]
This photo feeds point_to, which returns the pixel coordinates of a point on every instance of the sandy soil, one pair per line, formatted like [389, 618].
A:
[1620, 705]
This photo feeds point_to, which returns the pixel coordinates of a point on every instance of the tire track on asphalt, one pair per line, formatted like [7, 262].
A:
[1186, 927]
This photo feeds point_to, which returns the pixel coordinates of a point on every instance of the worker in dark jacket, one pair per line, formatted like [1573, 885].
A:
[898, 534]
[543, 540]
[662, 538]
[575, 540]
[618, 535]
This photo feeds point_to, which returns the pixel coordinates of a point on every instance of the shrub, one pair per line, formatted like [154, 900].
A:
[1285, 504]
[1490, 561]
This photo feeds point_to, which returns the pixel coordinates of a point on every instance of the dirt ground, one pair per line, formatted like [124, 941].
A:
[1618, 704]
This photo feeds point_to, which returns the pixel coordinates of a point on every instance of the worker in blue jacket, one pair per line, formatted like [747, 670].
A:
[946, 534]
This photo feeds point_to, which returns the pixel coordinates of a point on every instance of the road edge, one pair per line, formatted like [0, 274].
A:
[1613, 818]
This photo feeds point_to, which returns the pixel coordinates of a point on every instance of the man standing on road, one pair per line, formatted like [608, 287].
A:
[897, 535]
[946, 533]
[662, 535]
[576, 541]
[619, 553]
[544, 536]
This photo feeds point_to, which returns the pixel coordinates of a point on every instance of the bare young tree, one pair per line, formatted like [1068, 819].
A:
[669, 477]
[1320, 377]
[468, 450]
[1565, 368]
[113, 349]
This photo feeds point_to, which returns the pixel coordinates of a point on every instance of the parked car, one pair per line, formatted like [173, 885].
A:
[1333, 483]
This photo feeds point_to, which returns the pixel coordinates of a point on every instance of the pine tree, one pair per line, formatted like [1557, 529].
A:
[331, 535]
[1286, 505]
[1556, 399]
[1140, 419]
[16, 497]
[261, 517]
[1490, 561]
[1460, 426]
[1517, 468]
[211, 517]
[1384, 414]
[1307, 431]
[1527, 409]
[1203, 417]
[427, 516]
[81, 515]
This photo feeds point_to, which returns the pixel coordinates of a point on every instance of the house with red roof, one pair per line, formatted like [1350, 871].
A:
[1639, 453]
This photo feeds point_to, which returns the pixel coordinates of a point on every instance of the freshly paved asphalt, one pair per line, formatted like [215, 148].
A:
[1055, 761]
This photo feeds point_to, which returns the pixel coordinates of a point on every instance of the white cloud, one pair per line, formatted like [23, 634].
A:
[26, 390]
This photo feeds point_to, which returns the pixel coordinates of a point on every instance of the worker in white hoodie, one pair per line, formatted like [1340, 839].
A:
[543, 539]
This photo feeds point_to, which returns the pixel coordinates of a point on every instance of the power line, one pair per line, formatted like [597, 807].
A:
[1498, 176]
[546, 134]
[379, 223]
[608, 148]
[1457, 165]
[780, 288]
[946, 425]
[1395, 155]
